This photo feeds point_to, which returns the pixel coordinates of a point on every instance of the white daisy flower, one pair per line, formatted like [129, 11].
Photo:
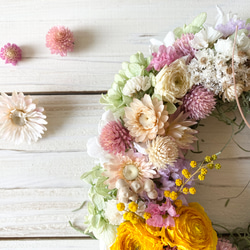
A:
[20, 119]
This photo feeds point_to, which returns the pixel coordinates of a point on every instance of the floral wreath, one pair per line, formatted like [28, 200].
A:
[140, 185]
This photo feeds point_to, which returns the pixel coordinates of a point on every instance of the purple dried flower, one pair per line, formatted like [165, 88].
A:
[172, 173]
[199, 102]
[229, 28]
[11, 53]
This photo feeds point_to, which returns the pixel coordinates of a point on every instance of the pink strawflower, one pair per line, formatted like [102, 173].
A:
[199, 102]
[115, 138]
[60, 40]
[164, 56]
[183, 46]
[223, 244]
[11, 53]
[161, 215]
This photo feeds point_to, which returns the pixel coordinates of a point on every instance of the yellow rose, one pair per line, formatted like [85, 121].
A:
[193, 230]
[173, 81]
[136, 236]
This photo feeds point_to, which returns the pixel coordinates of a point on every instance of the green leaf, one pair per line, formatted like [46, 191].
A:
[95, 221]
[191, 29]
[133, 70]
[227, 202]
[138, 58]
[171, 108]
[178, 32]
[199, 20]
[248, 21]
[91, 208]
[98, 201]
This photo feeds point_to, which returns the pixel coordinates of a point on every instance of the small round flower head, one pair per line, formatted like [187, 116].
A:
[115, 138]
[224, 245]
[199, 102]
[11, 53]
[60, 40]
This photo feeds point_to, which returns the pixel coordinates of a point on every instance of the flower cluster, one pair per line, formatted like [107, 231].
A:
[143, 180]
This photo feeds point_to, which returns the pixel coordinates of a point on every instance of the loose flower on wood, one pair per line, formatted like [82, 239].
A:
[20, 119]
[60, 40]
[11, 53]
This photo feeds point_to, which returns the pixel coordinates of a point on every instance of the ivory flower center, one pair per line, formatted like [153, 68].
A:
[146, 121]
[18, 118]
[130, 172]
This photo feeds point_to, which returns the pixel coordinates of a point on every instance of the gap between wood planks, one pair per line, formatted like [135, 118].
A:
[94, 92]
[46, 238]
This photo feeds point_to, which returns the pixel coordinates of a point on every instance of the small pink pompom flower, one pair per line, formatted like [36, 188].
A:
[115, 138]
[224, 245]
[60, 40]
[11, 53]
[199, 102]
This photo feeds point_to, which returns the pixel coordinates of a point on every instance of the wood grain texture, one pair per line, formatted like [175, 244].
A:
[40, 184]
[106, 34]
[53, 244]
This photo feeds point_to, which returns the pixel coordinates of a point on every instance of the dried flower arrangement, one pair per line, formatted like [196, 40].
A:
[139, 190]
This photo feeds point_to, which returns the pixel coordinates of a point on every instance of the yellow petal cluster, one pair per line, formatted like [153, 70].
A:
[193, 230]
[136, 236]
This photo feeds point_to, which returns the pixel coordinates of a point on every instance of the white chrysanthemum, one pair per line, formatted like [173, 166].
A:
[136, 84]
[20, 119]
[114, 216]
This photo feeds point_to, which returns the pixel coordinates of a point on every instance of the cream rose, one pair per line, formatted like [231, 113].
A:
[173, 81]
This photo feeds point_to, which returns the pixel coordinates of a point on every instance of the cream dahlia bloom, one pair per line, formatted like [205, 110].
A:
[145, 118]
[179, 129]
[20, 119]
[173, 81]
[162, 151]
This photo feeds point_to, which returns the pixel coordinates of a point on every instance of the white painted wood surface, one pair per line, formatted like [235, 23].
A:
[40, 184]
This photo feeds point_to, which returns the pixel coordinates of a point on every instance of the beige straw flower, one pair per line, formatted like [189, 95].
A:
[162, 151]
[179, 129]
[20, 119]
[145, 118]
[229, 92]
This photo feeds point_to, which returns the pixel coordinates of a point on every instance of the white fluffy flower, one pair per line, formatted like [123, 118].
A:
[114, 216]
[20, 119]
[204, 37]
[225, 47]
[136, 84]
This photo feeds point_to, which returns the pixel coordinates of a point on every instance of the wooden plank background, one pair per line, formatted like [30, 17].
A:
[40, 184]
